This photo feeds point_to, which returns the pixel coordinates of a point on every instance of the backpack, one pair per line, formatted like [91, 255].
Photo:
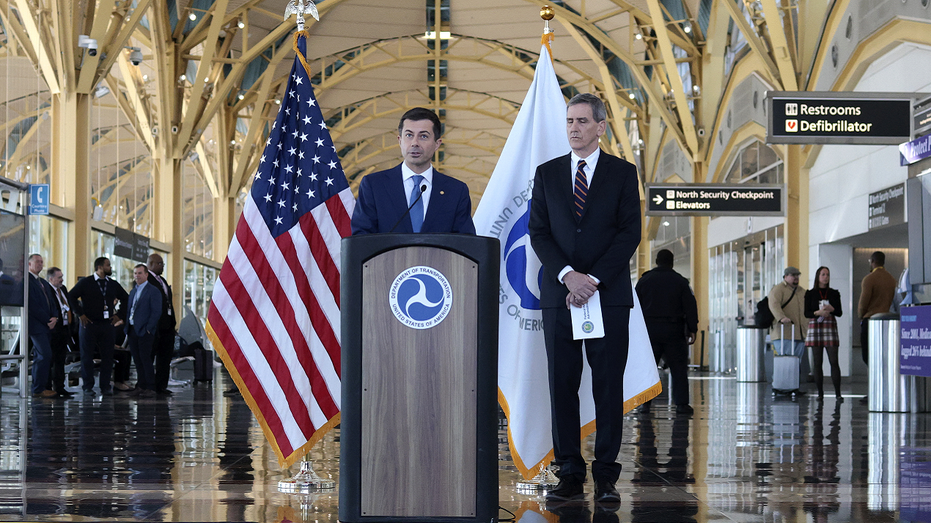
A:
[763, 317]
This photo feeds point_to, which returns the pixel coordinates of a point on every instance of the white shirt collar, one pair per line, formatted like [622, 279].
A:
[407, 174]
[590, 161]
[97, 277]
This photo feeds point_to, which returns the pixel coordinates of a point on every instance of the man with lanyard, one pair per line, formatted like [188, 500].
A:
[95, 300]
[144, 311]
[61, 334]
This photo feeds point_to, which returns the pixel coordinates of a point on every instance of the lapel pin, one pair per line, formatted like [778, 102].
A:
[442, 192]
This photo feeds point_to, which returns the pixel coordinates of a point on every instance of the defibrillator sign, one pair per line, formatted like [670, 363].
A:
[838, 118]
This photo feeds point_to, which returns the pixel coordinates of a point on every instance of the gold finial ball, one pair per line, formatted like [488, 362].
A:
[547, 13]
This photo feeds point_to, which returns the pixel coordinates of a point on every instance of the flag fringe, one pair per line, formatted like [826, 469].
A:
[297, 454]
[643, 397]
[587, 430]
[300, 56]
[546, 40]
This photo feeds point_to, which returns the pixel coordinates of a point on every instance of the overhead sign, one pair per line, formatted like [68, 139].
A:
[38, 199]
[915, 150]
[887, 207]
[123, 243]
[140, 248]
[714, 199]
[838, 118]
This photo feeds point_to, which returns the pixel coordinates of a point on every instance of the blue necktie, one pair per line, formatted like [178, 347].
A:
[417, 209]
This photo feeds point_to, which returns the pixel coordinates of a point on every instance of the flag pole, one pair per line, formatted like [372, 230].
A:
[545, 478]
[306, 481]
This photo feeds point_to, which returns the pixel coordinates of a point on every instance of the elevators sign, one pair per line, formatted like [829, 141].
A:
[838, 118]
[887, 207]
[714, 199]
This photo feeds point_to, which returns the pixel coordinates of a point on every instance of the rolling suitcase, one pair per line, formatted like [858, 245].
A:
[785, 368]
[203, 363]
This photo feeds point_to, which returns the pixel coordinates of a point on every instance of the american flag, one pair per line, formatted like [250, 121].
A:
[274, 316]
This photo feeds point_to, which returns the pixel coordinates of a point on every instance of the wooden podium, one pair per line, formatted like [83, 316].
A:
[419, 335]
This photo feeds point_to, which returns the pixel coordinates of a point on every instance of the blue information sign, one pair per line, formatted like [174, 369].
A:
[38, 199]
[915, 353]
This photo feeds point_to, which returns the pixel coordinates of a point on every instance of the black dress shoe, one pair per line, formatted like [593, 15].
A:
[685, 409]
[164, 392]
[63, 394]
[569, 487]
[605, 492]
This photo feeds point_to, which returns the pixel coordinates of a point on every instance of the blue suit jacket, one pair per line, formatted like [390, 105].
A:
[382, 202]
[148, 310]
[40, 312]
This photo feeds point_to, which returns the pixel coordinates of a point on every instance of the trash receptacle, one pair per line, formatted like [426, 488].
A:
[750, 342]
[889, 389]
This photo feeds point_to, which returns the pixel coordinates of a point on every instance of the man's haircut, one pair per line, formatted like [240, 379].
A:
[52, 272]
[418, 114]
[143, 266]
[879, 258]
[99, 262]
[599, 113]
[664, 258]
[33, 256]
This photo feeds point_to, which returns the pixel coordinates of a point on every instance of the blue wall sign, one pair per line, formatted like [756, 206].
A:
[915, 353]
[38, 199]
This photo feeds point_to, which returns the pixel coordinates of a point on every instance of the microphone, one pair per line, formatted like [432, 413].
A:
[423, 187]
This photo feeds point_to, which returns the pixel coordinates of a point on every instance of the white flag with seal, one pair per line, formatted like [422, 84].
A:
[537, 136]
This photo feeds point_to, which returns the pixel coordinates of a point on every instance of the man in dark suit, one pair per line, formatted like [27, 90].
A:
[164, 346]
[145, 308]
[584, 227]
[61, 334]
[41, 322]
[95, 300]
[438, 203]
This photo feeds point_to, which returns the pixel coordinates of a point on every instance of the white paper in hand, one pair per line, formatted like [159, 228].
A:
[587, 321]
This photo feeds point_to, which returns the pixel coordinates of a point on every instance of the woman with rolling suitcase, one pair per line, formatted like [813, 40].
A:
[822, 306]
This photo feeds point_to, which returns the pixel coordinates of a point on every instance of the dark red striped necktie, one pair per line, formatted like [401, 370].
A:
[581, 189]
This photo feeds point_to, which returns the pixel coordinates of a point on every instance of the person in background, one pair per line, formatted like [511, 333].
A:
[787, 303]
[41, 322]
[164, 347]
[145, 308]
[671, 315]
[822, 306]
[61, 335]
[94, 302]
[877, 291]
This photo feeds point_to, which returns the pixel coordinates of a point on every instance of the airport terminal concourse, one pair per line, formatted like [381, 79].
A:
[239, 282]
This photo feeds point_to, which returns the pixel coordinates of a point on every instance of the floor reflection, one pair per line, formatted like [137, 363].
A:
[200, 456]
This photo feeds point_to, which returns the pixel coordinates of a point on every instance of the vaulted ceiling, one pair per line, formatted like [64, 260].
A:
[211, 72]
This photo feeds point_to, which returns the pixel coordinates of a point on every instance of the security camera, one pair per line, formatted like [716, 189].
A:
[86, 42]
[135, 56]
[174, 129]
[155, 131]
[701, 131]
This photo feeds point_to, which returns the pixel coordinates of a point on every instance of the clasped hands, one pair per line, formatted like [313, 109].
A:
[581, 288]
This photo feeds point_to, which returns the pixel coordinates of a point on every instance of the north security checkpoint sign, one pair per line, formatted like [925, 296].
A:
[714, 199]
[838, 118]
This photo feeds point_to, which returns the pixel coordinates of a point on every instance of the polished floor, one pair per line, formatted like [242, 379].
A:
[199, 456]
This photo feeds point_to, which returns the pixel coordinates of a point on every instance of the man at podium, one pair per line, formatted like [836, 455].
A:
[413, 196]
[584, 227]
